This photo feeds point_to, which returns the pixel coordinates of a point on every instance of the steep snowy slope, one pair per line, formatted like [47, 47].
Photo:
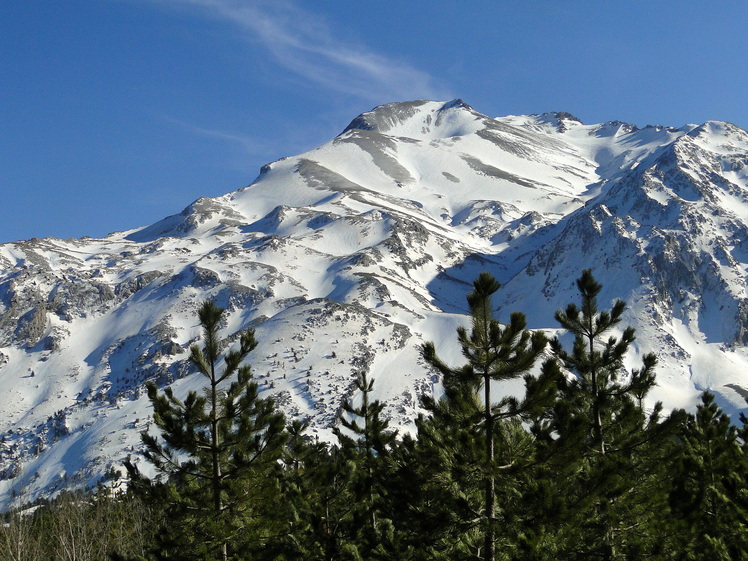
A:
[348, 257]
[669, 235]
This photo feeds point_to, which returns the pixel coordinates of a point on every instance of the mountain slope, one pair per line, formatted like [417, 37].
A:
[351, 255]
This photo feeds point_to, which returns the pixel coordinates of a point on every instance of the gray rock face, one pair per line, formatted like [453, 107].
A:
[348, 257]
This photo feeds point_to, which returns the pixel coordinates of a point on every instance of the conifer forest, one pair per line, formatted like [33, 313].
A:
[581, 466]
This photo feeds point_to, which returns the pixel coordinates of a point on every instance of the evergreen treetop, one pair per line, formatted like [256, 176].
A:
[215, 452]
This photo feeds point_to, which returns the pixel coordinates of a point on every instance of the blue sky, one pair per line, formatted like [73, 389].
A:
[116, 113]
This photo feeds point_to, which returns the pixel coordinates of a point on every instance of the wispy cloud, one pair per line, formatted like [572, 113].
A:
[243, 149]
[247, 143]
[304, 43]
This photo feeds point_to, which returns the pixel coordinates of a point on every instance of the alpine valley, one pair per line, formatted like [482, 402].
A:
[348, 257]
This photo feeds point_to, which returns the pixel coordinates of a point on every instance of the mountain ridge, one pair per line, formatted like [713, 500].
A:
[348, 257]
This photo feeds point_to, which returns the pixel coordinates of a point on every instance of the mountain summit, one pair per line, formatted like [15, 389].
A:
[346, 258]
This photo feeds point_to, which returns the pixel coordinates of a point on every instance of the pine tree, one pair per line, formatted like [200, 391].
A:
[300, 497]
[215, 452]
[335, 506]
[372, 437]
[606, 451]
[467, 425]
[318, 483]
[709, 497]
[599, 380]
[368, 449]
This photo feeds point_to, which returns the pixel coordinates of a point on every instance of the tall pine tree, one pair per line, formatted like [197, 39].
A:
[709, 497]
[468, 411]
[604, 450]
[215, 453]
[367, 444]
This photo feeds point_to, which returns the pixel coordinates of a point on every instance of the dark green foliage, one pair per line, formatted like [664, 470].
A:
[367, 454]
[317, 483]
[216, 455]
[709, 497]
[371, 436]
[467, 425]
[601, 393]
[602, 452]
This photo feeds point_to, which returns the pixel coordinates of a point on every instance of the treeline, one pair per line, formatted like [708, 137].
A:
[576, 468]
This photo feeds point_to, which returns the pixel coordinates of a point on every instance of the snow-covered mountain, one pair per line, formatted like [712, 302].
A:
[348, 257]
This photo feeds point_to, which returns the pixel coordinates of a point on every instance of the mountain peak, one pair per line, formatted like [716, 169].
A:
[419, 119]
[348, 257]
[718, 129]
[456, 103]
[560, 120]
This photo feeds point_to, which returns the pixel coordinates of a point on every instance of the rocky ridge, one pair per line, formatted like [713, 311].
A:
[347, 257]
